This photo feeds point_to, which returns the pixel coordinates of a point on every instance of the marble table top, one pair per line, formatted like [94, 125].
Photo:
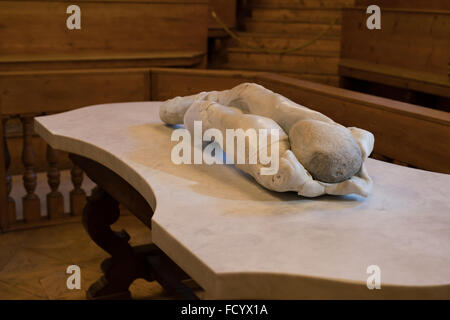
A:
[239, 240]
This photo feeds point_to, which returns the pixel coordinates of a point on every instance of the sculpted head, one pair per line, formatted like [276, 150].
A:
[327, 150]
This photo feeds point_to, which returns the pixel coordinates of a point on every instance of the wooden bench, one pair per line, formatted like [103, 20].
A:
[407, 59]
[113, 34]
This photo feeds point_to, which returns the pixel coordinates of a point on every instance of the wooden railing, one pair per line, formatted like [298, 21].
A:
[57, 69]
[26, 94]
[405, 134]
[31, 203]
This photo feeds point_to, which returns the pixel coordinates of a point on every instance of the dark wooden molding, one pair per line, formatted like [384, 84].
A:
[3, 193]
[126, 263]
[116, 186]
[124, 267]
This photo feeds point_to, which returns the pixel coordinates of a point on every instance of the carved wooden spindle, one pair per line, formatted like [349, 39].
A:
[55, 200]
[31, 202]
[3, 206]
[11, 205]
[77, 195]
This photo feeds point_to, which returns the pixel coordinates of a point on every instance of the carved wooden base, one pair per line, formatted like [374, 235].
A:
[124, 266]
[77, 202]
[31, 208]
[11, 207]
[126, 263]
[55, 205]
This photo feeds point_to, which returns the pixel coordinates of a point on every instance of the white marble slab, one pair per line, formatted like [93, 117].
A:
[238, 240]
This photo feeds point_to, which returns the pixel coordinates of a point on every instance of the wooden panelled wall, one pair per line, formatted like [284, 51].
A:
[406, 133]
[407, 59]
[139, 33]
[3, 182]
[226, 10]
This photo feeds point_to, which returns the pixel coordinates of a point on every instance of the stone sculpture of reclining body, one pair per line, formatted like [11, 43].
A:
[317, 155]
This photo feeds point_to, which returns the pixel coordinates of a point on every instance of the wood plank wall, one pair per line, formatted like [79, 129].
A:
[407, 59]
[57, 91]
[411, 39]
[169, 83]
[412, 4]
[39, 27]
[90, 64]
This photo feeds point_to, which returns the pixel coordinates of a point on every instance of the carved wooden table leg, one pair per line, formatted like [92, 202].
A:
[125, 266]
[126, 263]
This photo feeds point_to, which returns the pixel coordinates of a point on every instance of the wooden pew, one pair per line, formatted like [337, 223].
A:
[47, 68]
[407, 59]
[113, 33]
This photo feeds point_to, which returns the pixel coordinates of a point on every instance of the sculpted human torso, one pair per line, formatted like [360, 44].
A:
[316, 155]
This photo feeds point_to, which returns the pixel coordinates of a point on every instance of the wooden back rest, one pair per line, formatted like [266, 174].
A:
[107, 26]
[411, 36]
